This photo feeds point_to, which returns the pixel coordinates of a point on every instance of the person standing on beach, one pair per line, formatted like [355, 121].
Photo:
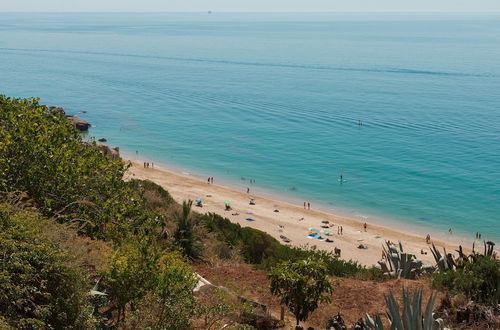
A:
[364, 226]
[341, 230]
[208, 180]
[304, 205]
[248, 190]
[152, 165]
[212, 180]
[308, 205]
[428, 239]
[450, 231]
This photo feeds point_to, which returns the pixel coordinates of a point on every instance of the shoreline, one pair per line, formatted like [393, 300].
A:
[382, 220]
[292, 221]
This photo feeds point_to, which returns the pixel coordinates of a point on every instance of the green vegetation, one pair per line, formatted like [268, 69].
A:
[399, 264]
[80, 248]
[43, 155]
[301, 286]
[39, 285]
[169, 304]
[185, 236]
[44, 160]
[478, 280]
[412, 317]
[262, 249]
[476, 275]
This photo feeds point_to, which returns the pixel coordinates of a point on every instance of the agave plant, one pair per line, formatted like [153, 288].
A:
[444, 262]
[447, 262]
[414, 317]
[399, 263]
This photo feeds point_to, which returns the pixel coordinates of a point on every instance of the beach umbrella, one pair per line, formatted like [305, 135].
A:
[325, 221]
[227, 203]
[198, 200]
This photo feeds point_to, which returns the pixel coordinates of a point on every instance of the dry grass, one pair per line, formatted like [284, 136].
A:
[352, 298]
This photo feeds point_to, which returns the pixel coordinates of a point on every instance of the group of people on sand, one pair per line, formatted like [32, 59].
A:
[478, 235]
[148, 165]
[308, 205]
[210, 180]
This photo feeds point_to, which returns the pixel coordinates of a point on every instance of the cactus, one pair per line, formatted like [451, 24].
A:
[413, 317]
[400, 264]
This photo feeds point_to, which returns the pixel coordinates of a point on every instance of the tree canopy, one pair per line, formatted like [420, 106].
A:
[301, 285]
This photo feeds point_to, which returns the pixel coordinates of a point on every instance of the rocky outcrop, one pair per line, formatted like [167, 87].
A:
[79, 123]
[108, 151]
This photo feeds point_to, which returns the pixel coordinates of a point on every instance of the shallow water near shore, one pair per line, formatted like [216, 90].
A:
[279, 98]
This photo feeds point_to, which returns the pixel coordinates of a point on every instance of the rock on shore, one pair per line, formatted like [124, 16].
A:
[79, 123]
[108, 151]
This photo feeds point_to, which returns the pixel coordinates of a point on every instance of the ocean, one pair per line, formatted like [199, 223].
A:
[405, 107]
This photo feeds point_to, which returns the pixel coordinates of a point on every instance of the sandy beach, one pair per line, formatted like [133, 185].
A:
[292, 221]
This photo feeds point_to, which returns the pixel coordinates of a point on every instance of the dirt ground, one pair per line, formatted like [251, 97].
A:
[352, 298]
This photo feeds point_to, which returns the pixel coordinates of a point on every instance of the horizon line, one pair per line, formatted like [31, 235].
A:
[263, 12]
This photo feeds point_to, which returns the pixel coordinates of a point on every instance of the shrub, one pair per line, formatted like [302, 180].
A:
[39, 288]
[301, 285]
[162, 292]
[478, 280]
[42, 154]
[155, 198]
[262, 249]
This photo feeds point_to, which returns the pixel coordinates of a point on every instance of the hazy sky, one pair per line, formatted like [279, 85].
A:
[250, 5]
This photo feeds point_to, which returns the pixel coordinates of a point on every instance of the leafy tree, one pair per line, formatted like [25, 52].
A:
[185, 236]
[301, 286]
[132, 273]
[169, 302]
[174, 288]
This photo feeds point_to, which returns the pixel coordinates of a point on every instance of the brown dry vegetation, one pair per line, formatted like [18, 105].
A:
[352, 298]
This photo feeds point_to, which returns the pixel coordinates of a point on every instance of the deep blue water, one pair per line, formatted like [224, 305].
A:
[278, 97]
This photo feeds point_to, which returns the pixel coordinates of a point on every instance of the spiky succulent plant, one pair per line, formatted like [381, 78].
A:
[413, 316]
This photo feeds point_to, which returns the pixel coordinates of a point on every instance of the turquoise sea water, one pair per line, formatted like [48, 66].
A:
[278, 98]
